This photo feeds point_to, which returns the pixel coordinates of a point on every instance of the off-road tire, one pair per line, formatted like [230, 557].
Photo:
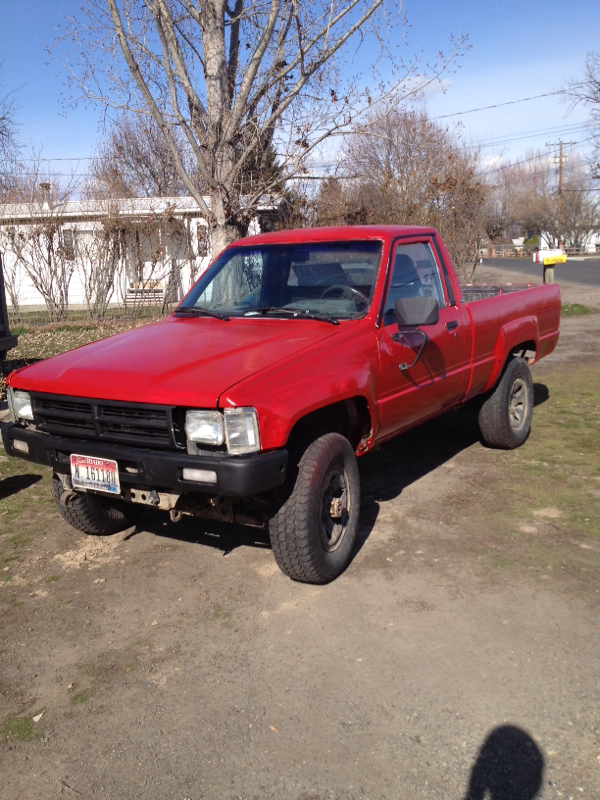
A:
[308, 544]
[505, 416]
[92, 514]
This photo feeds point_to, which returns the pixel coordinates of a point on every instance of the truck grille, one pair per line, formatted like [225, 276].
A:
[125, 423]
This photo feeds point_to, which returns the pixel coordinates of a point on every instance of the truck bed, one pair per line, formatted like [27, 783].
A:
[479, 291]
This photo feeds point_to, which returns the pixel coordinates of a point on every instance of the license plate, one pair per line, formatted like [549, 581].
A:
[100, 474]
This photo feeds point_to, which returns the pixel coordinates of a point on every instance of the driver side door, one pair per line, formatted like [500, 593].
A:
[438, 379]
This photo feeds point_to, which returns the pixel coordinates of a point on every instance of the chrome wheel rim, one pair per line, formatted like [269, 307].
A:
[518, 405]
[335, 508]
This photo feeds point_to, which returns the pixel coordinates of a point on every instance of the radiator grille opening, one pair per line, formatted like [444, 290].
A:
[124, 423]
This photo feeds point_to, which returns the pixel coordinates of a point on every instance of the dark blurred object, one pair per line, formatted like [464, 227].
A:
[510, 766]
[7, 342]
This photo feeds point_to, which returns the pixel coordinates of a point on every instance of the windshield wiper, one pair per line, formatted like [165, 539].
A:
[200, 312]
[301, 313]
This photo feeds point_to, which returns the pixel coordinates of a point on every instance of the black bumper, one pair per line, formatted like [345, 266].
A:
[161, 470]
[7, 342]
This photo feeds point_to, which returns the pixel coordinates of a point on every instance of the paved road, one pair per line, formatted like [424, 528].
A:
[583, 272]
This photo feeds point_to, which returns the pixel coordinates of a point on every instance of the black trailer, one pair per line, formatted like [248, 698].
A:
[7, 342]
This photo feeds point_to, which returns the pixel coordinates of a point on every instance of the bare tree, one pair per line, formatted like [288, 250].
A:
[500, 210]
[587, 92]
[13, 274]
[580, 212]
[531, 193]
[98, 259]
[239, 80]
[134, 160]
[41, 251]
[37, 240]
[9, 145]
[338, 203]
[410, 170]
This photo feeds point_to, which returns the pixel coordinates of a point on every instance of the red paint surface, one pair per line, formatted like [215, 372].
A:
[286, 368]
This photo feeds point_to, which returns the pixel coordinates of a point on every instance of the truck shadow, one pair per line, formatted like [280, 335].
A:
[387, 471]
[224, 536]
[384, 474]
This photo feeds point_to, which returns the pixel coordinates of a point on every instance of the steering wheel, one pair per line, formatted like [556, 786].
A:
[347, 292]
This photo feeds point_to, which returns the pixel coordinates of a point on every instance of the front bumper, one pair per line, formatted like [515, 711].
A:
[245, 475]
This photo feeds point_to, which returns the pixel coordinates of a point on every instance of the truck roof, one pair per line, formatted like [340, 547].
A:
[336, 233]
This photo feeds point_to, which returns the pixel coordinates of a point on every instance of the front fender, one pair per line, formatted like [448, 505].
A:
[338, 369]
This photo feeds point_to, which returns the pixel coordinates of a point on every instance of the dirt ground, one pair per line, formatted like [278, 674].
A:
[458, 654]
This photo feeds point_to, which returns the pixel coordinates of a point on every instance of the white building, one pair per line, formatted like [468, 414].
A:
[145, 248]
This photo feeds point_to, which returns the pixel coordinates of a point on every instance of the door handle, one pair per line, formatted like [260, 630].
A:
[450, 326]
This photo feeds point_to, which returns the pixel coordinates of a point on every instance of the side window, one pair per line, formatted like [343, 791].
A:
[414, 274]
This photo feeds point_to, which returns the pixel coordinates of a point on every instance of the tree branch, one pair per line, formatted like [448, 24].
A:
[148, 98]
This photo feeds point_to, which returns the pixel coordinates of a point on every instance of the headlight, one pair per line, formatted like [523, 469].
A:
[205, 427]
[241, 430]
[20, 405]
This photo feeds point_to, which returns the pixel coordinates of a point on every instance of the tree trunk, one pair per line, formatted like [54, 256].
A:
[223, 229]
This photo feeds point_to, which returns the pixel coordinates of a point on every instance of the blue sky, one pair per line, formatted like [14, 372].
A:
[520, 48]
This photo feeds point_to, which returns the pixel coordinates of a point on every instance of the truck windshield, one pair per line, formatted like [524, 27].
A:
[324, 280]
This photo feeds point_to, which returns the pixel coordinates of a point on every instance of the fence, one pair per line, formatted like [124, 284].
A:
[34, 316]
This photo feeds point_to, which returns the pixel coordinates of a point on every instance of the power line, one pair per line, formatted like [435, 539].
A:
[512, 138]
[533, 158]
[75, 158]
[54, 174]
[507, 103]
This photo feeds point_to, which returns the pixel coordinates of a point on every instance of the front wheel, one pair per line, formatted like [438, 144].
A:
[92, 514]
[314, 531]
[505, 416]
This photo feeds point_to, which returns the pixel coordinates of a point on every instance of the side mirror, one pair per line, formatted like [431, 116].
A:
[412, 312]
[415, 311]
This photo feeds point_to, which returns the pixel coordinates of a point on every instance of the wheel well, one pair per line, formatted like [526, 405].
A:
[526, 350]
[349, 417]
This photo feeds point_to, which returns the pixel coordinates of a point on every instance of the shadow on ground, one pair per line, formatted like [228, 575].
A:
[384, 474]
[510, 766]
[224, 536]
[16, 483]
[387, 471]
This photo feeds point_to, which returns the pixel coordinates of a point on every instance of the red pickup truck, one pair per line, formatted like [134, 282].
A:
[293, 354]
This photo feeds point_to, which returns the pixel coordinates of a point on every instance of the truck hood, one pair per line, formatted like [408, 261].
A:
[186, 362]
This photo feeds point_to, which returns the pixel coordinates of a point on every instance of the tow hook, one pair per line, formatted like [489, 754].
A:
[175, 515]
[66, 497]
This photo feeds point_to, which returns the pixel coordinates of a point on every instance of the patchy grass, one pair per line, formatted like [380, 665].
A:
[18, 729]
[541, 511]
[25, 507]
[54, 338]
[576, 310]
[106, 670]
[80, 697]
[45, 341]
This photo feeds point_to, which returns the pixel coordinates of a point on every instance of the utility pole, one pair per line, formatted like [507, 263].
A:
[560, 158]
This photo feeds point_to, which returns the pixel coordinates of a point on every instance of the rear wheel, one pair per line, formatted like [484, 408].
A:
[505, 416]
[314, 531]
[91, 514]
